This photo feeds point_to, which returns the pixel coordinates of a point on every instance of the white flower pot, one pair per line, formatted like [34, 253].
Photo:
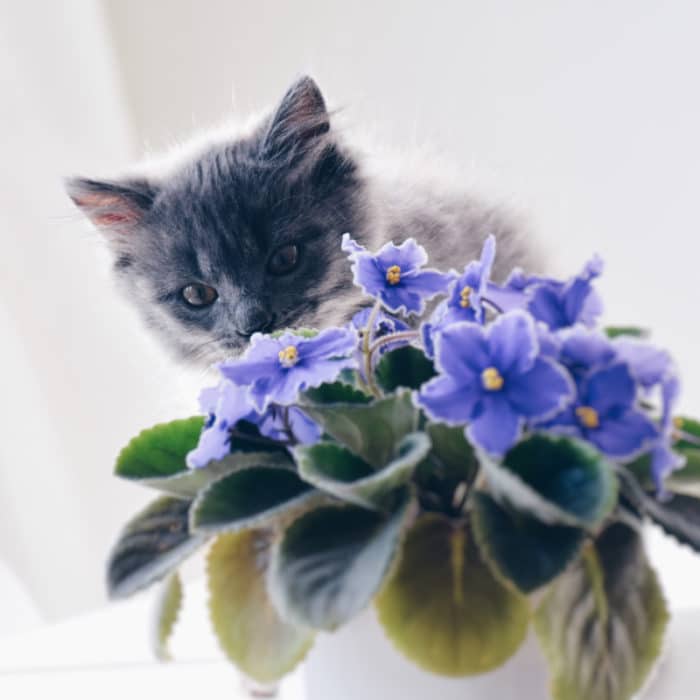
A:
[358, 662]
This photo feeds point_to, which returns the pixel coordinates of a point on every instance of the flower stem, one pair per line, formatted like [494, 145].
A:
[288, 426]
[392, 338]
[366, 342]
[688, 437]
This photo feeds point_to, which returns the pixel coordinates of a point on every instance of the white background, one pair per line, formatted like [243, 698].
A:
[584, 115]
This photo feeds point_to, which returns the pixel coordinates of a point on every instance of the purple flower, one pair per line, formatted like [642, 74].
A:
[492, 379]
[663, 459]
[652, 367]
[649, 365]
[465, 301]
[563, 304]
[466, 297]
[383, 325]
[226, 405]
[278, 422]
[277, 369]
[394, 276]
[583, 350]
[556, 303]
[605, 413]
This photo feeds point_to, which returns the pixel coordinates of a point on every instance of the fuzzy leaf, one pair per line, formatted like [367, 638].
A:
[443, 608]
[331, 562]
[152, 544]
[335, 470]
[456, 458]
[156, 458]
[249, 630]
[167, 611]
[687, 479]
[678, 516]
[404, 367]
[555, 479]
[522, 551]
[602, 623]
[159, 452]
[335, 392]
[248, 498]
[371, 431]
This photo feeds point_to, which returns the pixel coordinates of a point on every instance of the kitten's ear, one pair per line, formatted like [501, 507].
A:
[114, 207]
[298, 123]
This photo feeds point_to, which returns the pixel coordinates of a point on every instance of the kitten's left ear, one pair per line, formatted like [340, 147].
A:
[113, 207]
[300, 120]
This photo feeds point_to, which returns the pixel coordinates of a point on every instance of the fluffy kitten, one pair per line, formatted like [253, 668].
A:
[245, 235]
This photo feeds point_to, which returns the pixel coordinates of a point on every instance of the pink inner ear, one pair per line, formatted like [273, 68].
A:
[106, 210]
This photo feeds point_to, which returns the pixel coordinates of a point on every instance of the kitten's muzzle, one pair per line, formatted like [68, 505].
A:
[252, 317]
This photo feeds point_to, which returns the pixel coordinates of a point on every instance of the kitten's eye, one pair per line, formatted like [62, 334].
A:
[283, 260]
[199, 295]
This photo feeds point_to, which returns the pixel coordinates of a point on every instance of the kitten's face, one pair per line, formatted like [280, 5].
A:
[246, 238]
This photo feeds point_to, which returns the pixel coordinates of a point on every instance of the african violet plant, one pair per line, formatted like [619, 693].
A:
[484, 470]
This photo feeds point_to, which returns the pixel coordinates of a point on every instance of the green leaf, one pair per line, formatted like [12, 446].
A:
[455, 457]
[444, 476]
[167, 611]
[300, 332]
[444, 609]
[152, 544]
[555, 479]
[602, 623]
[331, 562]
[249, 630]
[634, 331]
[249, 498]
[159, 452]
[335, 392]
[522, 551]
[687, 479]
[404, 367]
[156, 458]
[335, 470]
[371, 431]
[678, 515]
[689, 432]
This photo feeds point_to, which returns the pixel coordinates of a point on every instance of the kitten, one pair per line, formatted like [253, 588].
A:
[245, 236]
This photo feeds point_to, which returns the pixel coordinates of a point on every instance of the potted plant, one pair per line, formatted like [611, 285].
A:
[474, 478]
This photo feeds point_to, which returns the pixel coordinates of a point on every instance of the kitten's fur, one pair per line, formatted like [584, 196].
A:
[216, 219]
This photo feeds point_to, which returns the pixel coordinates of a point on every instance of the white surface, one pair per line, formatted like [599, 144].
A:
[106, 655]
[357, 663]
[583, 114]
[17, 610]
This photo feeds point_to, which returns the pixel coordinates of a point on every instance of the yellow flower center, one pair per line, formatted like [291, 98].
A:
[588, 417]
[491, 379]
[465, 294]
[288, 356]
[677, 428]
[393, 274]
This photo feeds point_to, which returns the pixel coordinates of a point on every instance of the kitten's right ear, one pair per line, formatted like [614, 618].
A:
[113, 207]
[298, 123]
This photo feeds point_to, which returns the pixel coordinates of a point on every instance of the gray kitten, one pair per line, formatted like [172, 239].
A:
[245, 236]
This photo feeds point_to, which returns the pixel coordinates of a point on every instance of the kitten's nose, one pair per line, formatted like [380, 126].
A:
[251, 317]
